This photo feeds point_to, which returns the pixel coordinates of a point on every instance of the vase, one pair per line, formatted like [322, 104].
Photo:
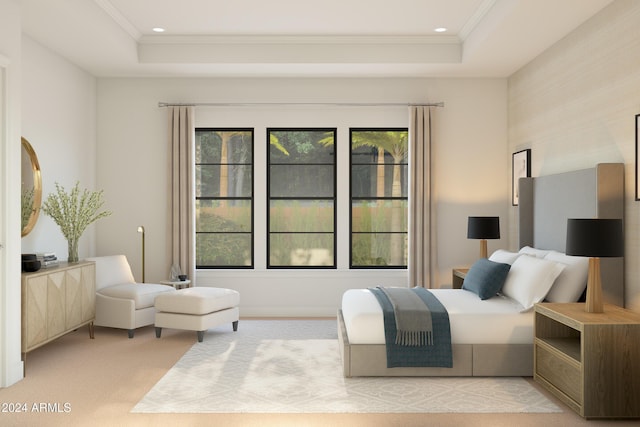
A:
[73, 250]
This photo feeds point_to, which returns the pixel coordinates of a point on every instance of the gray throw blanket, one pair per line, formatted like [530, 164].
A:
[437, 355]
[413, 318]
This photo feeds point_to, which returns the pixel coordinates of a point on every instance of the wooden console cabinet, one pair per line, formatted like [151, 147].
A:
[55, 301]
[590, 361]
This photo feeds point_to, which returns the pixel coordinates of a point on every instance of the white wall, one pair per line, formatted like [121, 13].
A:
[575, 106]
[10, 74]
[59, 120]
[469, 168]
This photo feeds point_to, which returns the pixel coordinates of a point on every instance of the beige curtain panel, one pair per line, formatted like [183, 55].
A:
[181, 122]
[421, 261]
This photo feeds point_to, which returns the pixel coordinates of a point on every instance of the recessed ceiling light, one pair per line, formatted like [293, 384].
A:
[158, 30]
[440, 30]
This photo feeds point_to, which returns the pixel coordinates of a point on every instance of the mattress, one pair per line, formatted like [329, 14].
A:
[498, 320]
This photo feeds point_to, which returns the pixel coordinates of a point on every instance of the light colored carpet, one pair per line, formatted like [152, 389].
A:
[294, 367]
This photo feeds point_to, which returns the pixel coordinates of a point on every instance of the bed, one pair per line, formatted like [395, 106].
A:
[494, 336]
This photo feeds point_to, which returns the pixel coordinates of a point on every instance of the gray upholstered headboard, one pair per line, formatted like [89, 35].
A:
[546, 202]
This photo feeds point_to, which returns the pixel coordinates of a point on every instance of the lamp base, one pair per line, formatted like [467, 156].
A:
[483, 248]
[594, 302]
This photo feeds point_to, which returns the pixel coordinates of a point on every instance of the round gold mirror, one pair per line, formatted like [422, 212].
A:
[31, 188]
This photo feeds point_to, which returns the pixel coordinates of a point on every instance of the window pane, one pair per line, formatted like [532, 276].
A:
[363, 183]
[365, 154]
[302, 146]
[301, 216]
[369, 250]
[307, 249]
[210, 179]
[379, 216]
[365, 179]
[368, 145]
[301, 180]
[207, 180]
[223, 250]
[223, 215]
[224, 146]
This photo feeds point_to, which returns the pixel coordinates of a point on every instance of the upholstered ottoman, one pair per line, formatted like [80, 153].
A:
[197, 309]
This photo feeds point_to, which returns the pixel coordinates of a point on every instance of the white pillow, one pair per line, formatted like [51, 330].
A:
[504, 257]
[570, 284]
[538, 253]
[530, 279]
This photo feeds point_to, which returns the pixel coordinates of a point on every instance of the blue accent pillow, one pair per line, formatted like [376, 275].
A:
[486, 278]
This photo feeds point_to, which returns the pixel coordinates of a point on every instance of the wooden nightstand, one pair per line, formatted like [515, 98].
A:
[458, 277]
[590, 361]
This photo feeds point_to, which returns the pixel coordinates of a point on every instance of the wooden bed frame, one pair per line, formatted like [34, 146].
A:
[545, 204]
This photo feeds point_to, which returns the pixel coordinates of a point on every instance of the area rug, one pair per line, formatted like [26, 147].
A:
[294, 366]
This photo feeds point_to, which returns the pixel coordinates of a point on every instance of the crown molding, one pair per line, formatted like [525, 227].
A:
[300, 49]
[476, 18]
[161, 39]
[119, 18]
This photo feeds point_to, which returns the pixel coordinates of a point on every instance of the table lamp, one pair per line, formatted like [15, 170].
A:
[594, 238]
[483, 228]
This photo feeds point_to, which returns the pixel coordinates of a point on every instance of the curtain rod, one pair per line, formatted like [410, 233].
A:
[297, 104]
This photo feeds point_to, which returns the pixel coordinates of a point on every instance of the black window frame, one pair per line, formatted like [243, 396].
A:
[251, 198]
[353, 266]
[269, 198]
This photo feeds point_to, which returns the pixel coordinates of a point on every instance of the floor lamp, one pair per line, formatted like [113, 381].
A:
[595, 238]
[483, 227]
[141, 230]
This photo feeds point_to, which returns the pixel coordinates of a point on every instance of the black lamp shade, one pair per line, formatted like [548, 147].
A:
[595, 237]
[483, 227]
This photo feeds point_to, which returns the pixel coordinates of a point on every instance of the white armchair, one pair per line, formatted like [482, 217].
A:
[120, 301]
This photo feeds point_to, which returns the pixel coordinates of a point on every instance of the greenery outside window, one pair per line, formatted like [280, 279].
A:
[301, 183]
[224, 198]
[379, 198]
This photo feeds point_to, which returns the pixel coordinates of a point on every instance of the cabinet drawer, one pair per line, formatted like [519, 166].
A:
[560, 371]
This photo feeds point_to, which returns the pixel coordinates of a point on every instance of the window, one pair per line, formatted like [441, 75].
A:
[301, 184]
[379, 198]
[224, 198]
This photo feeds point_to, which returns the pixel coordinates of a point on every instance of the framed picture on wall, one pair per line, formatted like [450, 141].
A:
[520, 168]
[637, 135]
